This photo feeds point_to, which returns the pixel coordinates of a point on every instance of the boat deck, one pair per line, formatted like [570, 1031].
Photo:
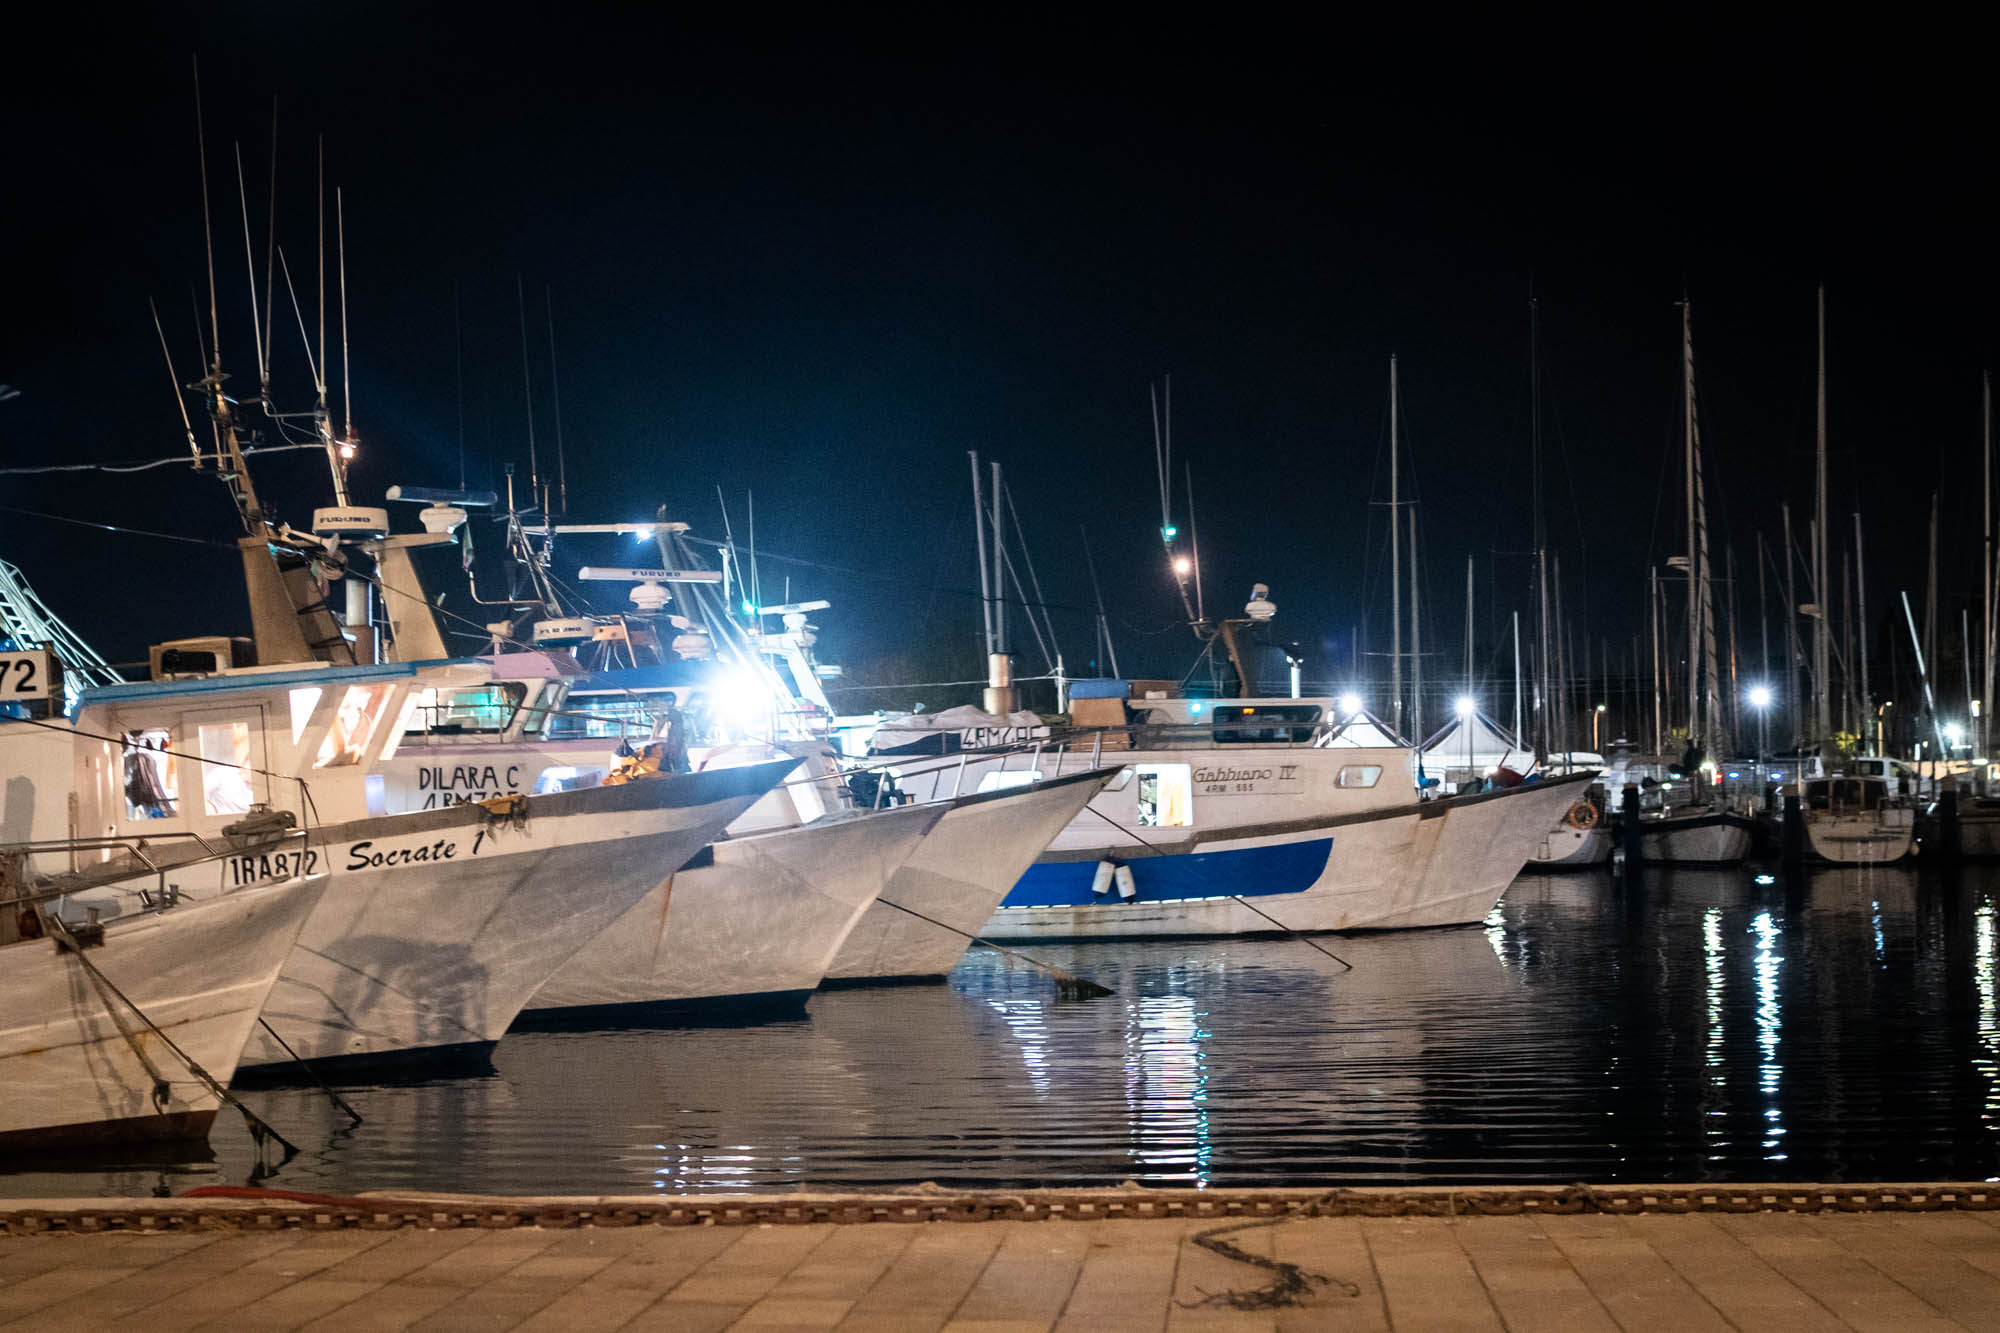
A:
[1433, 1264]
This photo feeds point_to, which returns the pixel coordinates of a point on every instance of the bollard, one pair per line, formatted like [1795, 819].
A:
[1628, 825]
[1951, 836]
[1794, 842]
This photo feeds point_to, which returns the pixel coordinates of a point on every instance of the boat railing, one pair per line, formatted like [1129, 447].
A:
[141, 855]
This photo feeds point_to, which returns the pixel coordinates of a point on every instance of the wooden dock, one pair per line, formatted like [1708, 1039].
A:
[222, 1264]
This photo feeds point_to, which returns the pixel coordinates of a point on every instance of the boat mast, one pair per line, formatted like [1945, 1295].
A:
[1823, 714]
[1792, 700]
[1540, 532]
[1416, 643]
[1395, 563]
[1693, 536]
[1516, 616]
[1861, 621]
[1659, 689]
[1987, 513]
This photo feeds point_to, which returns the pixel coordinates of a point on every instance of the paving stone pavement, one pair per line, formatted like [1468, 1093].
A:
[1807, 1271]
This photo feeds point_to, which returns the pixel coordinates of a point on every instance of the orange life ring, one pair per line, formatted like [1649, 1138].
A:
[1582, 815]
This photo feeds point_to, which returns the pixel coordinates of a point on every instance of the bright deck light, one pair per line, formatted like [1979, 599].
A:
[1760, 696]
[1350, 704]
[1465, 706]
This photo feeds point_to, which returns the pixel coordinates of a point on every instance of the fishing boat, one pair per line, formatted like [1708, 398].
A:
[752, 923]
[129, 1028]
[438, 925]
[1238, 818]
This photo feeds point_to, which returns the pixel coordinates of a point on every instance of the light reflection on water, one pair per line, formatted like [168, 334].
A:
[1699, 1026]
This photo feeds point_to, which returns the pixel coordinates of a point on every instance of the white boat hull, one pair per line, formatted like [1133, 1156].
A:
[1699, 840]
[1432, 863]
[957, 876]
[436, 958]
[200, 972]
[1567, 847]
[755, 920]
[1863, 839]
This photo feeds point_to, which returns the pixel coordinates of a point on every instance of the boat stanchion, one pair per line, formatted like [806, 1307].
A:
[1628, 826]
[1794, 842]
[1951, 834]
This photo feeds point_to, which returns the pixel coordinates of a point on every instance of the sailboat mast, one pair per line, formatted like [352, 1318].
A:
[1395, 562]
[1792, 701]
[1542, 701]
[1416, 642]
[1659, 690]
[1693, 537]
[1823, 714]
[1861, 623]
[1986, 658]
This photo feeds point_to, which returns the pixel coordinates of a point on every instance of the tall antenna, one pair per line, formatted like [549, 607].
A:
[250, 269]
[180, 402]
[527, 389]
[555, 392]
[207, 234]
[271, 244]
[458, 343]
[320, 218]
[346, 385]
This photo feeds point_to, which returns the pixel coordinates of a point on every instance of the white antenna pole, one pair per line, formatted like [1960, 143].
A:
[271, 245]
[555, 390]
[250, 270]
[320, 222]
[284, 266]
[528, 390]
[186, 424]
[999, 545]
[979, 536]
[207, 234]
[346, 385]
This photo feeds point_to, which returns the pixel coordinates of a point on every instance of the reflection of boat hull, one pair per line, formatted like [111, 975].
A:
[1696, 840]
[438, 957]
[1876, 838]
[1428, 863]
[82, 1068]
[957, 876]
[753, 922]
[1567, 847]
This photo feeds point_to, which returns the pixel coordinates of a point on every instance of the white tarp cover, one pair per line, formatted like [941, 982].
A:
[963, 728]
[1491, 746]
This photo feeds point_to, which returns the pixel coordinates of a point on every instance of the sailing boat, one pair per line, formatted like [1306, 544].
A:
[1698, 831]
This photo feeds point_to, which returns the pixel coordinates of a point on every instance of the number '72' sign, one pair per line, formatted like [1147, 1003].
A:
[30, 675]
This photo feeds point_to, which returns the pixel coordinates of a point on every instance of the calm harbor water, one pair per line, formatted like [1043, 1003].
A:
[1695, 1026]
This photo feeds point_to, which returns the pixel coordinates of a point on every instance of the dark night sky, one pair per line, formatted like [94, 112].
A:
[823, 263]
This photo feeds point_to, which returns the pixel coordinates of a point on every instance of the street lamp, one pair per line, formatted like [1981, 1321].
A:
[1596, 717]
[1760, 699]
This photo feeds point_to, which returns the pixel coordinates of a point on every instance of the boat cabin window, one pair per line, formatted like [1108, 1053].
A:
[1166, 795]
[1359, 775]
[225, 767]
[1006, 779]
[353, 723]
[303, 701]
[1845, 795]
[567, 777]
[152, 777]
[478, 710]
[1245, 724]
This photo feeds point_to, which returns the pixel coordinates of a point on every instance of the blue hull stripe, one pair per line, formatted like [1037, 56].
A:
[1249, 872]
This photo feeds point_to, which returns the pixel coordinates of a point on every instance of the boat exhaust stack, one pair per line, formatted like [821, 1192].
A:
[999, 698]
